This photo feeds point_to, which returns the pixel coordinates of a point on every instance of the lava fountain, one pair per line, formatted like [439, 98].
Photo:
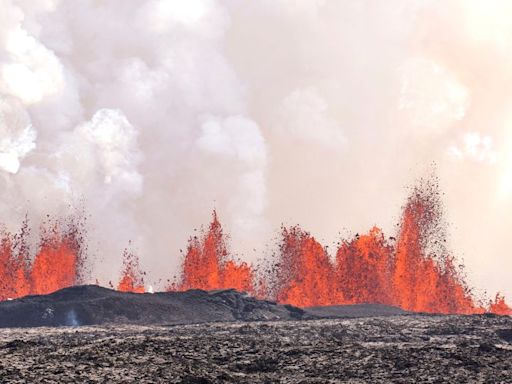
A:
[305, 275]
[56, 264]
[424, 277]
[364, 268]
[207, 264]
[131, 278]
[413, 269]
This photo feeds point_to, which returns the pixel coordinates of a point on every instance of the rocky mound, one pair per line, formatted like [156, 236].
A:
[91, 305]
[94, 305]
[356, 310]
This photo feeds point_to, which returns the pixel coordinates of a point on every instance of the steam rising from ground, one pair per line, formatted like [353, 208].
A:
[148, 114]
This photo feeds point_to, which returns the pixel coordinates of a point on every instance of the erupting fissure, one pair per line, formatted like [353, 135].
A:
[412, 270]
[56, 264]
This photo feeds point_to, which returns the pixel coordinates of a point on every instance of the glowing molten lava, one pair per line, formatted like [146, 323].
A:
[305, 275]
[207, 264]
[499, 306]
[364, 269]
[414, 271]
[14, 271]
[131, 279]
[424, 278]
[55, 265]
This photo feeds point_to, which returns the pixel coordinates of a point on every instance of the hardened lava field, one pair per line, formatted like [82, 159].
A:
[401, 349]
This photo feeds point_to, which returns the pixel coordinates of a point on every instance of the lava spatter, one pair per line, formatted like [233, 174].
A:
[208, 265]
[132, 276]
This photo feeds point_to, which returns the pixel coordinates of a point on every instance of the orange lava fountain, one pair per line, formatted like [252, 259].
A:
[14, 271]
[499, 307]
[56, 264]
[424, 277]
[413, 271]
[131, 279]
[207, 264]
[305, 275]
[364, 269]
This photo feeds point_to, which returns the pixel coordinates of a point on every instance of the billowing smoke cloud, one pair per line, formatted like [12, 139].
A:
[151, 113]
[18, 135]
[239, 140]
[303, 115]
[134, 111]
[475, 147]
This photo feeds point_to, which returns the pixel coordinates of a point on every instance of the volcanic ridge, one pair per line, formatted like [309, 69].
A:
[94, 305]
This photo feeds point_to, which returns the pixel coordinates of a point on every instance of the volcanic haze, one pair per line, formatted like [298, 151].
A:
[146, 115]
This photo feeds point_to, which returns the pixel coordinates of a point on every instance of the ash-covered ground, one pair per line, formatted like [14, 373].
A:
[401, 349]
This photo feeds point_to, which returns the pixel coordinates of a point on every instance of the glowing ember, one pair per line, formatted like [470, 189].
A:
[131, 279]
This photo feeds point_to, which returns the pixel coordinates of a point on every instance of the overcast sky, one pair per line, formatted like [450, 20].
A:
[318, 113]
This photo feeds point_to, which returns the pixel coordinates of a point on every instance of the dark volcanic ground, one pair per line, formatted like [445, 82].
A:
[402, 349]
[93, 305]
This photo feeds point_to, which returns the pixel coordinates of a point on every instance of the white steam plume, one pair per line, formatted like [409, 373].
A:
[151, 113]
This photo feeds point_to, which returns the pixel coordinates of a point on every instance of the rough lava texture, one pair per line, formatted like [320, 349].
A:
[355, 310]
[398, 349]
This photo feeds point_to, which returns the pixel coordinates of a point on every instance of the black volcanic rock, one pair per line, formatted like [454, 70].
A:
[394, 349]
[93, 305]
[356, 310]
[505, 334]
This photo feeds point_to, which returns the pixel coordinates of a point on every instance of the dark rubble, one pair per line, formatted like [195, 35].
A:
[400, 349]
